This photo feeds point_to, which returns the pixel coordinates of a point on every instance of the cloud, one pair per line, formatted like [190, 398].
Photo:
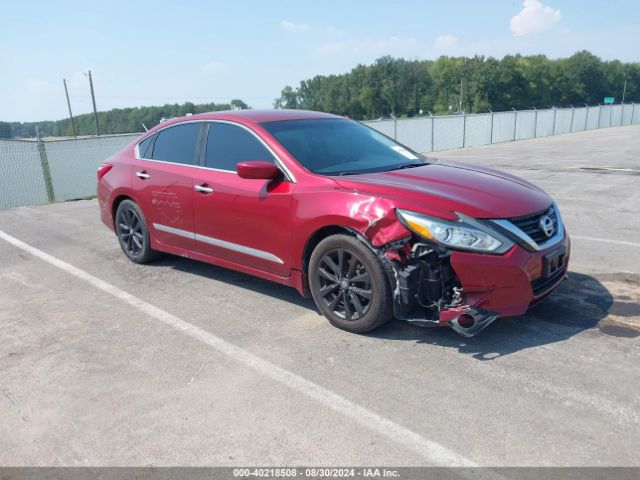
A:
[533, 18]
[446, 41]
[294, 27]
[215, 68]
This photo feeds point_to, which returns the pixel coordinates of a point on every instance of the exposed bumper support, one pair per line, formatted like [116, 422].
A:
[468, 321]
[425, 292]
[465, 320]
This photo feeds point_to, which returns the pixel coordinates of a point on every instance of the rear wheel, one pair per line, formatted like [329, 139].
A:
[349, 285]
[132, 232]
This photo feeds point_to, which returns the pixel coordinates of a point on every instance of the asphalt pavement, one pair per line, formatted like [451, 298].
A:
[104, 362]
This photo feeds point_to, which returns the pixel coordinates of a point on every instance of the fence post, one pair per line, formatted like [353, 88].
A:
[491, 135]
[586, 116]
[555, 114]
[395, 127]
[432, 122]
[571, 124]
[611, 115]
[633, 107]
[535, 122]
[599, 112]
[46, 171]
[464, 128]
[515, 123]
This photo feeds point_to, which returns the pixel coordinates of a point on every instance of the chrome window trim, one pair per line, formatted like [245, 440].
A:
[220, 243]
[556, 238]
[289, 176]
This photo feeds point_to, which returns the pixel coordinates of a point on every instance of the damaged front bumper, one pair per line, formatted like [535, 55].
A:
[465, 320]
[466, 291]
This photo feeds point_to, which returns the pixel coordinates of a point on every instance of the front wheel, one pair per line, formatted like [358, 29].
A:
[349, 284]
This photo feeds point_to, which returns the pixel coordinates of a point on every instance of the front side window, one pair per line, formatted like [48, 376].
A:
[177, 144]
[227, 145]
[340, 147]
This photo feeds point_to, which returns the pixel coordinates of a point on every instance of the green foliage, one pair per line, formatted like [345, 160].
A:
[403, 88]
[239, 104]
[118, 120]
[5, 130]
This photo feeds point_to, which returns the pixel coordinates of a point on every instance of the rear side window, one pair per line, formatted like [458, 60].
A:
[177, 144]
[143, 147]
[227, 145]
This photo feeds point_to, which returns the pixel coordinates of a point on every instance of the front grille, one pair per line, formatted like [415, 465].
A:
[541, 285]
[531, 225]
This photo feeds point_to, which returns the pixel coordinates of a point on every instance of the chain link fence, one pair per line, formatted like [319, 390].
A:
[37, 172]
[433, 133]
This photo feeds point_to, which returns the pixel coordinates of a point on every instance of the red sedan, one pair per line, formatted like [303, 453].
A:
[368, 228]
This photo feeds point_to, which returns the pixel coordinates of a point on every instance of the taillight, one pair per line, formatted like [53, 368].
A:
[103, 169]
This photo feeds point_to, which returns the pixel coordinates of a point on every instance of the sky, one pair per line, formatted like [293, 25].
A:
[150, 53]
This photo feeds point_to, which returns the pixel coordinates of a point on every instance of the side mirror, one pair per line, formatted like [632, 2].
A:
[257, 170]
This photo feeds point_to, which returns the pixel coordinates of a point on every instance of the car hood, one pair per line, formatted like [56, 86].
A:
[472, 190]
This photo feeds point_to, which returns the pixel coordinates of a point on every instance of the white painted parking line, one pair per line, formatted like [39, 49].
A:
[435, 453]
[605, 240]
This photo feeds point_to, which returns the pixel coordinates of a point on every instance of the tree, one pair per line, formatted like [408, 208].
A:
[119, 120]
[402, 88]
[288, 98]
[5, 130]
[239, 104]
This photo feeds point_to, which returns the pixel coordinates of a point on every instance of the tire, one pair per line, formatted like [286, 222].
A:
[132, 232]
[343, 271]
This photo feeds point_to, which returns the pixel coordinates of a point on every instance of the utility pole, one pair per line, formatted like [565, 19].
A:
[66, 92]
[93, 99]
[460, 104]
[624, 89]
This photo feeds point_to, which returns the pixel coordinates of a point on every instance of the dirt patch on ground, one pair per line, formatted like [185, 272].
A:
[613, 298]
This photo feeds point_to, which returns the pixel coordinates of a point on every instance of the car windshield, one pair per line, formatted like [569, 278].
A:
[340, 146]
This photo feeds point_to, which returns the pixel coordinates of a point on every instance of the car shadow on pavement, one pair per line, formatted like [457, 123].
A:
[578, 304]
[234, 278]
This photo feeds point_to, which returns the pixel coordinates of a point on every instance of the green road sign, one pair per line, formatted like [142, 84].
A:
[609, 100]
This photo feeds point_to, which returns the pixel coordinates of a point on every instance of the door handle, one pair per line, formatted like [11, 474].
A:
[203, 189]
[142, 175]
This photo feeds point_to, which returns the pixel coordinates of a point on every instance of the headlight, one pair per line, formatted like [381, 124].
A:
[464, 234]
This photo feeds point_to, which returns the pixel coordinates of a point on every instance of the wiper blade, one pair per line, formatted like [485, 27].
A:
[407, 165]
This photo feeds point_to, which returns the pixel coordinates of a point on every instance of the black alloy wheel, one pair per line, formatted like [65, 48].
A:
[132, 232]
[345, 284]
[349, 284]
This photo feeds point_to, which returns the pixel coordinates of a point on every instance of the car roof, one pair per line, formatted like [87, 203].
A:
[256, 116]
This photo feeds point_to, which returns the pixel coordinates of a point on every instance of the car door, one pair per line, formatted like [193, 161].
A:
[246, 221]
[163, 182]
